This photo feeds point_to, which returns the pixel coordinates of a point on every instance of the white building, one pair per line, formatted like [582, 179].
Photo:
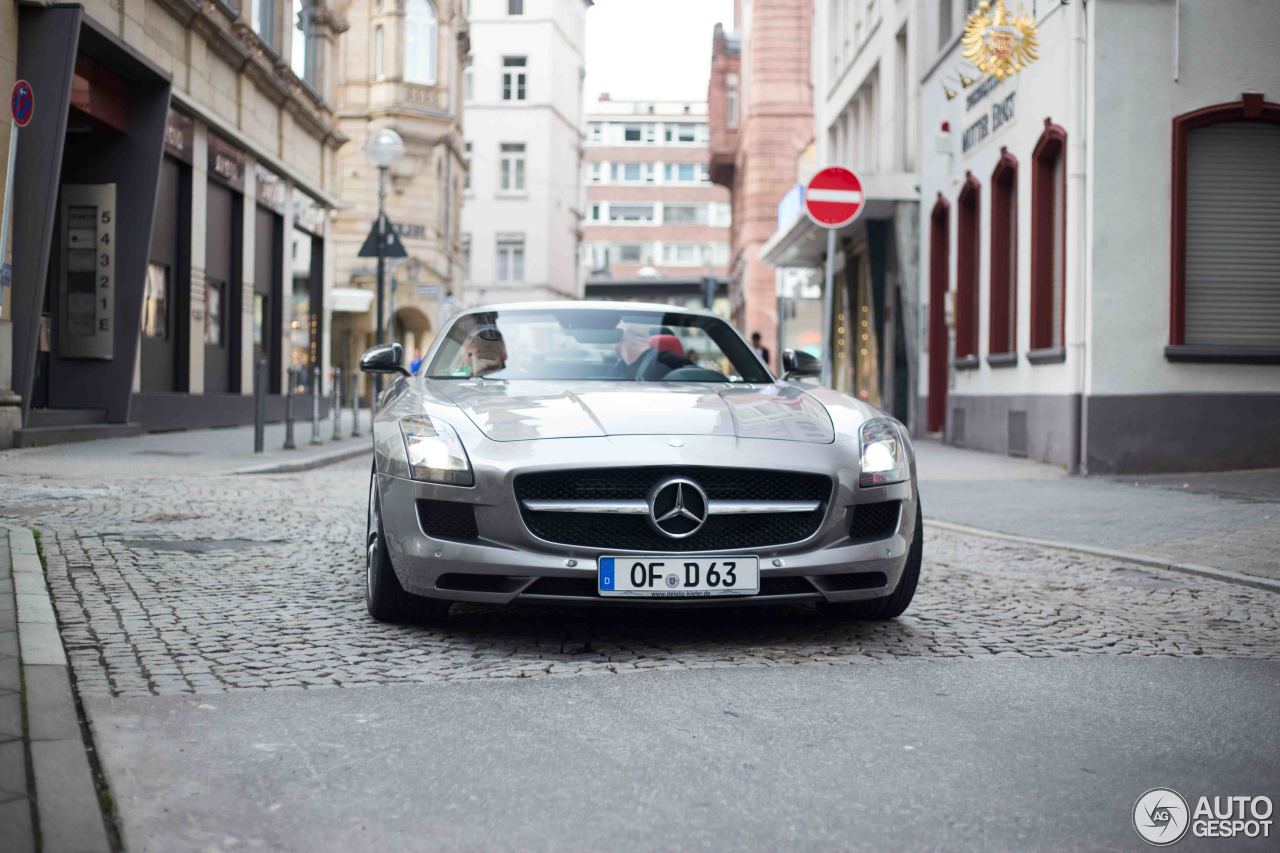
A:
[1105, 225]
[523, 102]
[865, 72]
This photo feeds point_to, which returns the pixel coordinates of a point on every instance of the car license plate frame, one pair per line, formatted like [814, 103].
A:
[677, 576]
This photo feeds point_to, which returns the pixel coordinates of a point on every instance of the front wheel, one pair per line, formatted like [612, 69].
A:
[894, 604]
[386, 599]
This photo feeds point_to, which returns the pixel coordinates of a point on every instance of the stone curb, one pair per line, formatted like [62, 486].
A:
[317, 461]
[68, 812]
[1110, 554]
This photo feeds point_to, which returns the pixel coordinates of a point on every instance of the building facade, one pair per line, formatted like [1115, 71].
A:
[523, 90]
[401, 68]
[1098, 243]
[175, 185]
[865, 117]
[760, 105]
[654, 223]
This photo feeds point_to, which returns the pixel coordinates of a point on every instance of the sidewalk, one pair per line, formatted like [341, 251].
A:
[1227, 520]
[205, 451]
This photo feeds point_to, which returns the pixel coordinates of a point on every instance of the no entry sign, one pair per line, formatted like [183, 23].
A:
[833, 197]
[22, 103]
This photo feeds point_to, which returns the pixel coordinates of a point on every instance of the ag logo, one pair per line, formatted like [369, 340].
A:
[1161, 817]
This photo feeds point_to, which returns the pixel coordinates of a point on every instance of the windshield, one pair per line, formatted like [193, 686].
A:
[608, 344]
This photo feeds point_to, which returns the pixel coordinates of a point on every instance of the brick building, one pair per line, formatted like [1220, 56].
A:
[760, 107]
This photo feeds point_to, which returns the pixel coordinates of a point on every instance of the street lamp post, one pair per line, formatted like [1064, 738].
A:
[383, 150]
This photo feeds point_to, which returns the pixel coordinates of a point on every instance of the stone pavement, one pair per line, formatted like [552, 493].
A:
[166, 587]
[1227, 520]
[186, 452]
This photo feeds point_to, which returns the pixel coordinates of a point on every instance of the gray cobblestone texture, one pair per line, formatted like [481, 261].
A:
[172, 585]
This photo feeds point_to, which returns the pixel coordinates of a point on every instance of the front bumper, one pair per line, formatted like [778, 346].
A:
[508, 564]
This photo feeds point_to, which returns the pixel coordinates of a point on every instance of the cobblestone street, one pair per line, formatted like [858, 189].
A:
[171, 585]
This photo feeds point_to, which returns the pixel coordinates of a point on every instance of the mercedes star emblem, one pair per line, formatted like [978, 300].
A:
[677, 507]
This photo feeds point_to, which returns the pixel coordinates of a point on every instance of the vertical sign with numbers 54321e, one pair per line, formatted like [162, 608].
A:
[86, 288]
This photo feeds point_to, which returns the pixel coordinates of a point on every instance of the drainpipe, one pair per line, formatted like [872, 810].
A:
[1079, 179]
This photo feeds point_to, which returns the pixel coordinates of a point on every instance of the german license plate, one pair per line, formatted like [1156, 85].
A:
[678, 577]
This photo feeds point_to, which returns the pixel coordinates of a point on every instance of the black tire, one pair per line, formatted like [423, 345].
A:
[386, 599]
[893, 605]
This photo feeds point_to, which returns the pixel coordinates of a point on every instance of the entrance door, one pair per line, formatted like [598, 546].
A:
[939, 258]
[268, 260]
[221, 291]
[160, 332]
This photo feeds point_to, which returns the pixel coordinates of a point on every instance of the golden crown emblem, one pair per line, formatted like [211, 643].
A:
[999, 43]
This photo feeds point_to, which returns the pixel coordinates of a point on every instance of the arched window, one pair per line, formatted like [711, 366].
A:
[379, 55]
[968, 254]
[1048, 240]
[1002, 336]
[420, 42]
[1225, 289]
[939, 261]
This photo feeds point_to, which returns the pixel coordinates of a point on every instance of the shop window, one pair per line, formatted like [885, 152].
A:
[1048, 238]
[1003, 292]
[968, 234]
[1225, 292]
[511, 258]
[511, 167]
[155, 302]
[513, 78]
[420, 42]
[213, 314]
[261, 313]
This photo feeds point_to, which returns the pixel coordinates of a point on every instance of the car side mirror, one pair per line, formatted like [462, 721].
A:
[797, 363]
[384, 358]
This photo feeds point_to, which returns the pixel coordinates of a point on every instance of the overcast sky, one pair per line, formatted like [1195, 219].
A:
[659, 49]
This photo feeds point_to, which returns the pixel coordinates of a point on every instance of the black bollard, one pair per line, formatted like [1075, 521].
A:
[288, 408]
[315, 405]
[335, 404]
[259, 404]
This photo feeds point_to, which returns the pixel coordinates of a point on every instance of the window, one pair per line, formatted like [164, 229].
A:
[511, 258]
[633, 173]
[936, 325]
[303, 46]
[631, 213]
[1225, 291]
[213, 312]
[684, 213]
[155, 302]
[944, 23]
[515, 7]
[420, 42]
[379, 69]
[967, 259]
[731, 100]
[1002, 335]
[511, 167]
[1048, 234]
[595, 131]
[466, 165]
[466, 257]
[264, 22]
[685, 173]
[683, 254]
[513, 78]
[639, 132]
[681, 133]
[597, 172]
[597, 213]
[631, 253]
[468, 81]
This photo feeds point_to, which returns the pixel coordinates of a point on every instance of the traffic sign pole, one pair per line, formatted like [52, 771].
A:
[832, 199]
[22, 107]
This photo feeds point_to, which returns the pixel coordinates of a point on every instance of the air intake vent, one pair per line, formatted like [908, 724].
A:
[448, 520]
[874, 521]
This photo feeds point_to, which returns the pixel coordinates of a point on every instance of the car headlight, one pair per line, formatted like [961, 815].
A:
[434, 451]
[884, 454]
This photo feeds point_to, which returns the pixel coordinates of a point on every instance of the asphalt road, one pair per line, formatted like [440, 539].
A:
[978, 754]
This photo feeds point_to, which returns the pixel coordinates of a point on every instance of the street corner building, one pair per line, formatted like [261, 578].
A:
[1100, 241]
[401, 66]
[171, 205]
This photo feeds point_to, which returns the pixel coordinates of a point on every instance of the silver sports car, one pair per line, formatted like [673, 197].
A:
[610, 453]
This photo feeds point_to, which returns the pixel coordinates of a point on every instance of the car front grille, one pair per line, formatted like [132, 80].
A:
[634, 533]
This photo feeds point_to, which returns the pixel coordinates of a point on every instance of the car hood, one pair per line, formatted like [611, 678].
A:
[526, 410]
